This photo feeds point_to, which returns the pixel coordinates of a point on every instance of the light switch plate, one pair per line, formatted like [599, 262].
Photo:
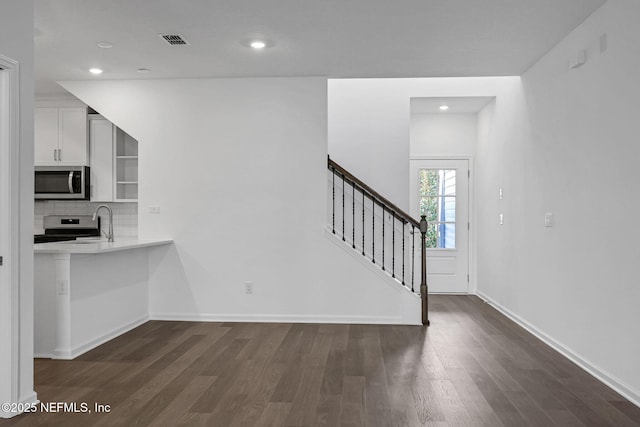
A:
[548, 219]
[603, 43]
[63, 287]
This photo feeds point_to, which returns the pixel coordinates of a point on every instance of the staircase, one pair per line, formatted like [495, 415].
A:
[379, 231]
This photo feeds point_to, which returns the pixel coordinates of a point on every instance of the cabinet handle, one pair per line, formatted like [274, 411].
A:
[55, 155]
[59, 154]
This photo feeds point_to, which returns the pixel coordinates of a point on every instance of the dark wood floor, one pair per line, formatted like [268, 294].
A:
[471, 367]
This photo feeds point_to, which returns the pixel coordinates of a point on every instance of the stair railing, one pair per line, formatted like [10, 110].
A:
[360, 230]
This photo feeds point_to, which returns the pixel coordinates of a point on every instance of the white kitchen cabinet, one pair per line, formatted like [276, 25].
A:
[73, 136]
[46, 136]
[101, 144]
[113, 162]
[61, 136]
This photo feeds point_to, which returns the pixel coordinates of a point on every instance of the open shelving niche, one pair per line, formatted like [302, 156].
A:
[126, 167]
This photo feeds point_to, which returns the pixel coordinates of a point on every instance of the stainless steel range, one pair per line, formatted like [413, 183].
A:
[58, 228]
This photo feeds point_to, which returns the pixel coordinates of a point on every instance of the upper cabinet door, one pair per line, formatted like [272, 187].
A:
[73, 136]
[46, 136]
[61, 136]
[101, 155]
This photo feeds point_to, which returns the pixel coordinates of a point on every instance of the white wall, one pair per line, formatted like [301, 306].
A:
[443, 135]
[238, 169]
[574, 154]
[369, 124]
[16, 42]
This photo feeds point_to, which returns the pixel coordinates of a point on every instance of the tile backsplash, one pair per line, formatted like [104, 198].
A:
[125, 215]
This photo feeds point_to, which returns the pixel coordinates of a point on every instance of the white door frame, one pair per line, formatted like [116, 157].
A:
[472, 258]
[9, 230]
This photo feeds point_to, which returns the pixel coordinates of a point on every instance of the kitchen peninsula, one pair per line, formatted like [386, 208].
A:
[88, 292]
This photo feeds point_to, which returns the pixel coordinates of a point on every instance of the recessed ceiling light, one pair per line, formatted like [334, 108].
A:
[105, 45]
[444, 107]
[258, 44]
[96, 71]
[143, 70]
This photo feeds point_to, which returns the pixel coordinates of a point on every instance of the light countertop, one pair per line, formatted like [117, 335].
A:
[96, 246]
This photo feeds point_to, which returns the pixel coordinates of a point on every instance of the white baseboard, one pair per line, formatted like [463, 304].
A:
[72, 353]
[611, 381]
[278, 318]
[450, 293]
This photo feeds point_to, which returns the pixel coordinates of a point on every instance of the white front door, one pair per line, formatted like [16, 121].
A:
[440, 190]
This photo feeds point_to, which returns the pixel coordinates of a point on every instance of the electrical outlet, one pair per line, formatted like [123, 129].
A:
[248, 288]
[154, 209]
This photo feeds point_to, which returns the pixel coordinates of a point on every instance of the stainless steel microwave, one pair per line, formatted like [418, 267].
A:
[62, 182]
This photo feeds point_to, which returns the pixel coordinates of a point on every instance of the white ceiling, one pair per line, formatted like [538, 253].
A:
[334, 38]
[457, 105]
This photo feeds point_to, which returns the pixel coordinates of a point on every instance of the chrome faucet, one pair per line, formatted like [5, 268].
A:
[110, 233]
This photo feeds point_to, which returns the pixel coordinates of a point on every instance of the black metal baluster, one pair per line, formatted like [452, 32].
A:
[413, 254]
[363, 222]
[403, 228]
[353, 214]
[342, 207]
[333, 192]
[383, 221]
[373, 227]
[393, 245]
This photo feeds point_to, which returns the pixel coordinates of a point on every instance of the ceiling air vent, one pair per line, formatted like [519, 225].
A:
[174, 39]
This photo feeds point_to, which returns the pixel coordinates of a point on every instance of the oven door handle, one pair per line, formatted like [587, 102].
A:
[71, 182]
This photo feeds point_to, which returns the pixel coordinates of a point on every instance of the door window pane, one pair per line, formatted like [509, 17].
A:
[447, 235]
[432, 235]
[429, 182]
[429, 207]
[438, 204]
